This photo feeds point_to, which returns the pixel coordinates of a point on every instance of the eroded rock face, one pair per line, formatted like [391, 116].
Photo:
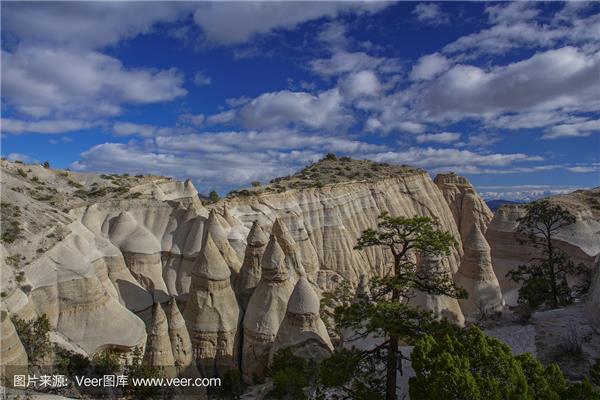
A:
[266, 310]
[251, 271]
[335, 216]
[466, 205]
[212, 314]
[442, 306]
[13, 359]
[476, 275]
[159, 352]
[581, 240]
[592, 309]
[181, 344]
[302, 329]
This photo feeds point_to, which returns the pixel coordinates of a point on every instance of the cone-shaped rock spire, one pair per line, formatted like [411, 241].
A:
[302, 329]
[212, 314]
[251, 271]
[265, 311]
[158, 345]
[442, 306]
[215, 227]
[476, 275]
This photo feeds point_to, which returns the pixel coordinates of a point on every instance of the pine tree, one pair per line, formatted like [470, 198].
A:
[372, 373]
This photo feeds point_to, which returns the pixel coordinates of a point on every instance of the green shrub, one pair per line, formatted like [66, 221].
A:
[34, 336]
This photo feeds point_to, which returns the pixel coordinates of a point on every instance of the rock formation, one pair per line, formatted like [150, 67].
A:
[215, 227]
[302, 329]
[442, 306]
[159, 352]
[592, 308]
[581, 240]
[476, 275]
[250, 272]
[13, 359]
[181, 346]
[212, 314]
[266, 310]
[466, 205]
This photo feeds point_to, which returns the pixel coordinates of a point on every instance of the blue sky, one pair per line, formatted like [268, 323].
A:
[507, 94]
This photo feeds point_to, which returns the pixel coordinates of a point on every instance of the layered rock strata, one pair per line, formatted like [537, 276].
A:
[442, 306]
[13, 359]
[212, 314]
[476, 275]
[251, 270]
[266, 310]
[467, 207]
[302, 329]
[159, 352]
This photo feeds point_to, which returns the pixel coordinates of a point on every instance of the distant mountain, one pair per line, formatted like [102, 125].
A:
[497, 203]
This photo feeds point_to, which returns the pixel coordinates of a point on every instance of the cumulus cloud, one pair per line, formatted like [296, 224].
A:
[285, 108]
[223, 117]
[431, 14]
[17, 127]
[444, 137]
[343, 62]
[221, 159]
[21, 157]
[86, 25]
[514, 27]
[143, 130]
[431, 157]
[363, 83]
[577, 129]
[42, 81]
[564, 78]
[226, 25]
[194, 119]
[429, 66]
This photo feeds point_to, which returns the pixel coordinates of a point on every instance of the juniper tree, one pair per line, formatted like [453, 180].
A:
[386, 312]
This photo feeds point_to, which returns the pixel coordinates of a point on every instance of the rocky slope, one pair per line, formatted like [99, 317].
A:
[104, 256]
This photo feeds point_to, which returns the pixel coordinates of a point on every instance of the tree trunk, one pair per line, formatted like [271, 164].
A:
[552, 273]
[392, 367]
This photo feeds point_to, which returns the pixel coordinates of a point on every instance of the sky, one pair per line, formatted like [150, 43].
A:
[506, 94]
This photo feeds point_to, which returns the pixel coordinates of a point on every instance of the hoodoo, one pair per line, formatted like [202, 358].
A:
[302, 329]
[266, 310]
[250, 272]
[212, 314]
[158, 346]
[215, 228]
[464, 202]
[477, 277]
[442, 306]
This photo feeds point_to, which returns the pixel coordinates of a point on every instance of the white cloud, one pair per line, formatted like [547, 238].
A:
[429, 66]
[224, 117]
[578, 129]
[363, 83]
[431, 14]
[86, 25]
[444, 137]
[431, 157]
[514, 27]
[16, 127]
[21, 157]
[343, 62]
[557, 79]
[194, 119]
[143, 130]
[512, 12]
[220, 159]
[285, 108]
[227, 25]
[41, 81]
[201, 79]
